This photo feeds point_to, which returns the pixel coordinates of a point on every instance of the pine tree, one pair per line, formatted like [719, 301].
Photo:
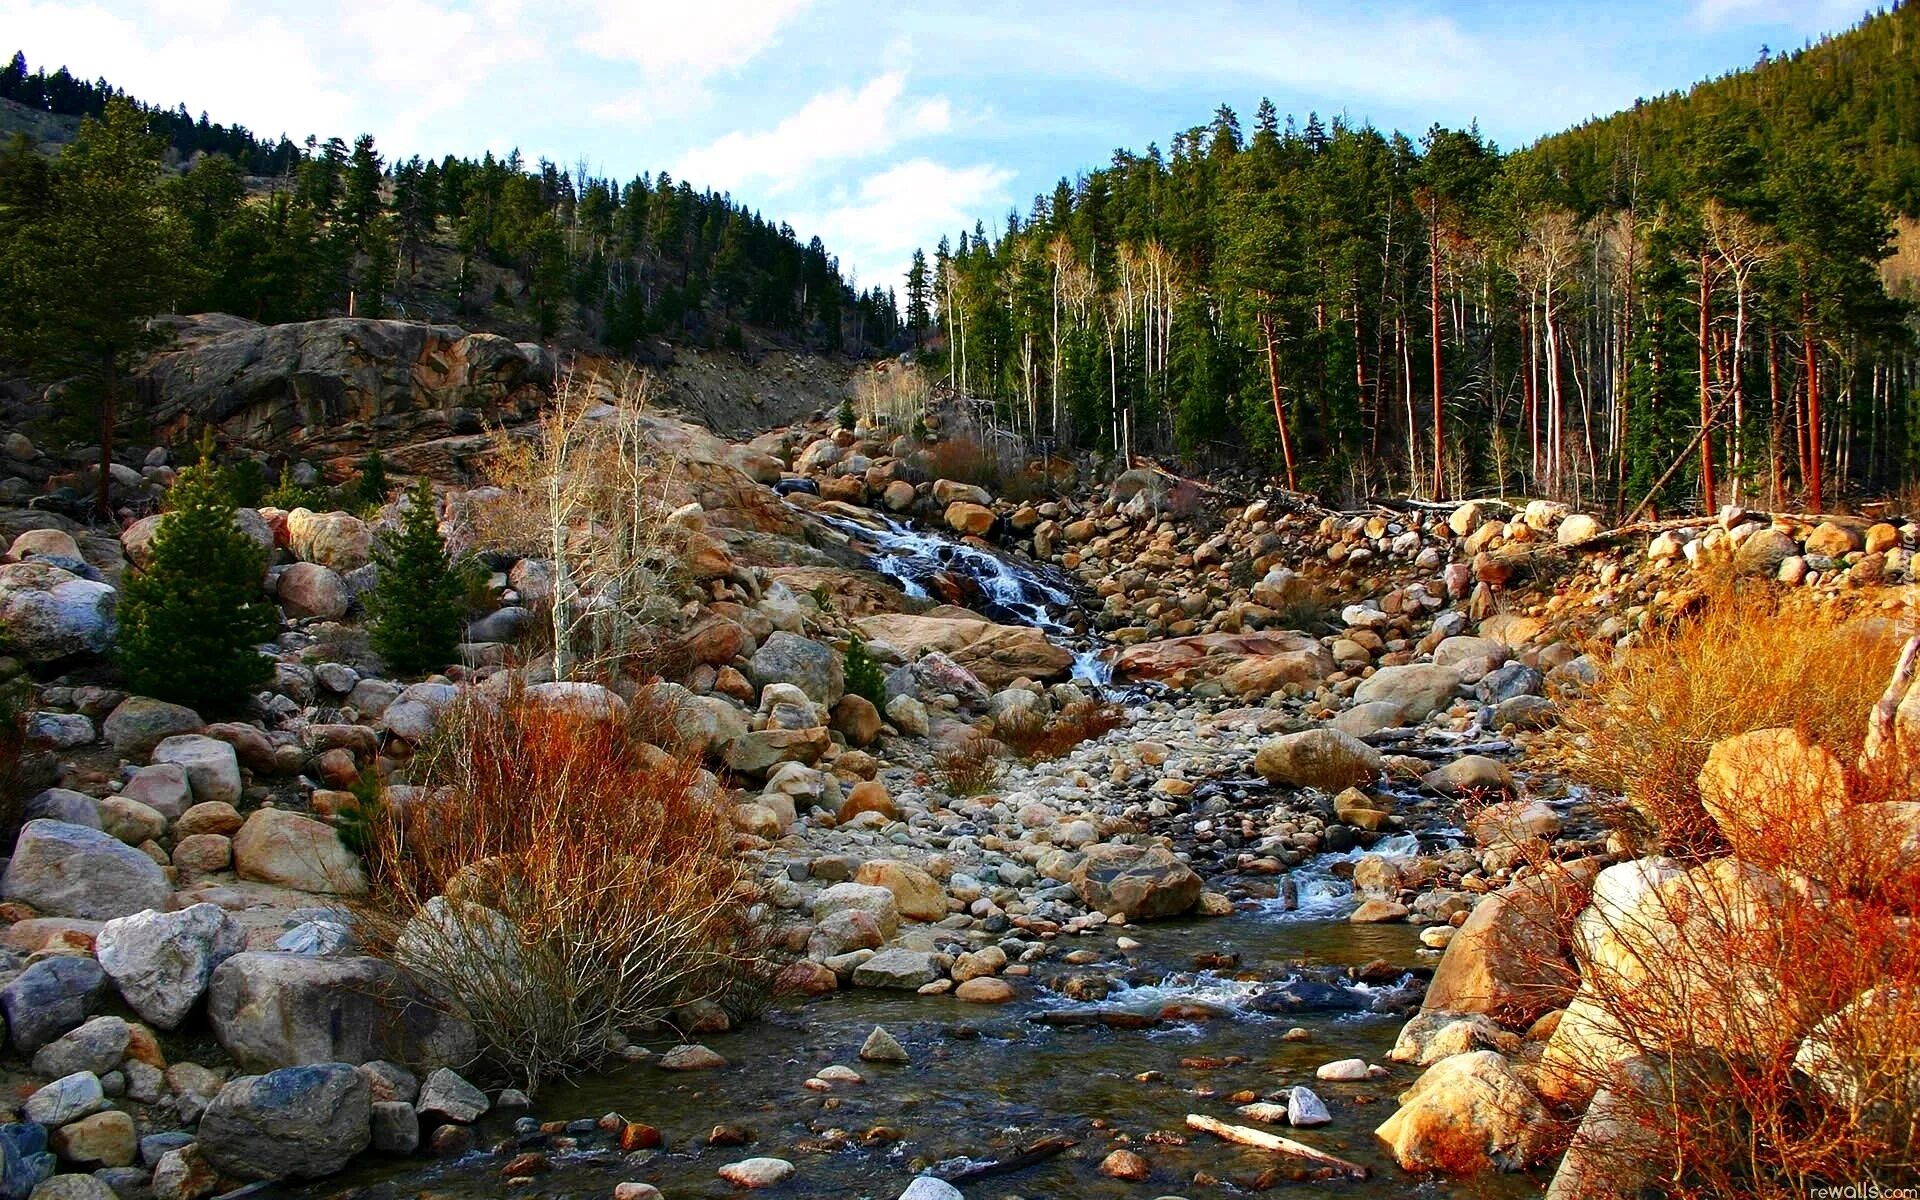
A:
[919, 294]
[416, 607]
[192, 621]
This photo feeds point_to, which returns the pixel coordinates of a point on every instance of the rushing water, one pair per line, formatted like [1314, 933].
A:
[1215, 998]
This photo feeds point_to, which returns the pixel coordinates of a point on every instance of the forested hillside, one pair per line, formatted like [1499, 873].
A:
[1368, 311]
[275, 231]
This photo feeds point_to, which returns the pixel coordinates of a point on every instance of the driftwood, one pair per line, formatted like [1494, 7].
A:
[1260, 1139]
[1892, 743]
[1038, 1152]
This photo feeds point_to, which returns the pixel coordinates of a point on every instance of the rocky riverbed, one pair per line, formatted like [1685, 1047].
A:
[1269, 890]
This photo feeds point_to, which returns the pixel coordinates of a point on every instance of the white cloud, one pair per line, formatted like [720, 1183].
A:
[689, 41]
[879, 224]
[836, 126]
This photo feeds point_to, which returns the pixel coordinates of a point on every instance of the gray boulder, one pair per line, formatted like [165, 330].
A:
[448, 1097]
[96, 1047]
[64, 804]
[810, 666]
[898, 968]
[1417, 690]
[68, 1098]
[274, 1010]
[162, 962]
[67, 870]
[51, 997]
[139, 723]
[47, 613]
[212, 766]
[297, 1122]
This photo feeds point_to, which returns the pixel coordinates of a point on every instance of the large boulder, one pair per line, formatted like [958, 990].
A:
[1511, 958]
[1268, 660]
[273, 1010]
[137, 538]
[212, 765]
[285, 848]
[996, 655]
[47, 613]
[812, 667]
[1318, 758]
[338, 540]
[293, 1123]
[139, 723]
[310, 590]
[1757, 786]
[1416, 690]
[72, 871]
[50, 997]
[1469, 1113]
[1143, 882]
[917, 895]
[162, 962]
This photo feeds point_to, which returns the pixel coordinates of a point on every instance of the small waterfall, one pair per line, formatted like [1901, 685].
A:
[1320, 894]
[1013, 591]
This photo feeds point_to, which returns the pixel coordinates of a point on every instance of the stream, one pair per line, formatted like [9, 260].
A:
[1189, 1020]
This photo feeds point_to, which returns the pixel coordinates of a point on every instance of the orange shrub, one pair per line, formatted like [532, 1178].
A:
[558, 880]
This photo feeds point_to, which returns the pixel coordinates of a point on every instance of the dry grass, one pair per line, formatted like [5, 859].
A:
[972, 767]
[1735, 663]
[559, 880]
[1003, 470]
[1034, 737]
[892, 396]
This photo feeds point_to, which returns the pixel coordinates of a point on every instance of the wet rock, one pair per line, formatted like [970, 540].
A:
[898, 968]
[927, 1187]
[163, 962]
[445, 1096]
[1319, 758]
[985, 989]
[297, 1122]
[1305, 1109]
[70, 870]
[691, 1058]
[1145, 883]
[883, 1047]
[1125, 1164]
[755, 1173]
[1346, 1070]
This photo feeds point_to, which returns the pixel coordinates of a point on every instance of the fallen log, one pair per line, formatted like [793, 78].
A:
[1038, 1152]
[1259, 1139]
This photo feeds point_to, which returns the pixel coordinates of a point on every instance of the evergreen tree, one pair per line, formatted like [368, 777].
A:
[192, 621]
[416, 607]
[919, 297]
[81, 281]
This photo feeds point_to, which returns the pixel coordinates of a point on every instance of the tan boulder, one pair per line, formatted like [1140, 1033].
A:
[1757, 786]
[1511, 959]
[1184, 661]
[281, 847]
[1469, 1113]
[1318, 758]
[916, 894]
[967, 518]
[996, 655]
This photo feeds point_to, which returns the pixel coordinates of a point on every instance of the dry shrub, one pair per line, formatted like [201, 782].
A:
[591, 494]
[1736, 662]
[558, 880]
[1752, 1023]
[892, 396]
[972, 767]
[1034, 737]
[1002, 470]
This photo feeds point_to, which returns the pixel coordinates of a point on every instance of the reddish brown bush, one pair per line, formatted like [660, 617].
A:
[972, 767]
[556, 880]
[1034, 737]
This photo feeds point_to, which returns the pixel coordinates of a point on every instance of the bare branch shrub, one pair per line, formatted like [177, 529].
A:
[589, 493]
[972, 767]
[892, 396]
[557, 880]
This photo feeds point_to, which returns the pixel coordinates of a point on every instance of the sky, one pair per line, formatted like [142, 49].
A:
[880, 127]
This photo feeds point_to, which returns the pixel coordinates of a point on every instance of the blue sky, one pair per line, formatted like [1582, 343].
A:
[879, 127]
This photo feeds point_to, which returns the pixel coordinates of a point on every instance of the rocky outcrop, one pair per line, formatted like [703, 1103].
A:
[333, 389]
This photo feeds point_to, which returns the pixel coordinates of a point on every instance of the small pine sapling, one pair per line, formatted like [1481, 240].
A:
[863, 674]
[417, 606]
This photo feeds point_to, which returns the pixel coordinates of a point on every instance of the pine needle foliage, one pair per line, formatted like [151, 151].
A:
[192, 622]
[418, 605]
[864, 676]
